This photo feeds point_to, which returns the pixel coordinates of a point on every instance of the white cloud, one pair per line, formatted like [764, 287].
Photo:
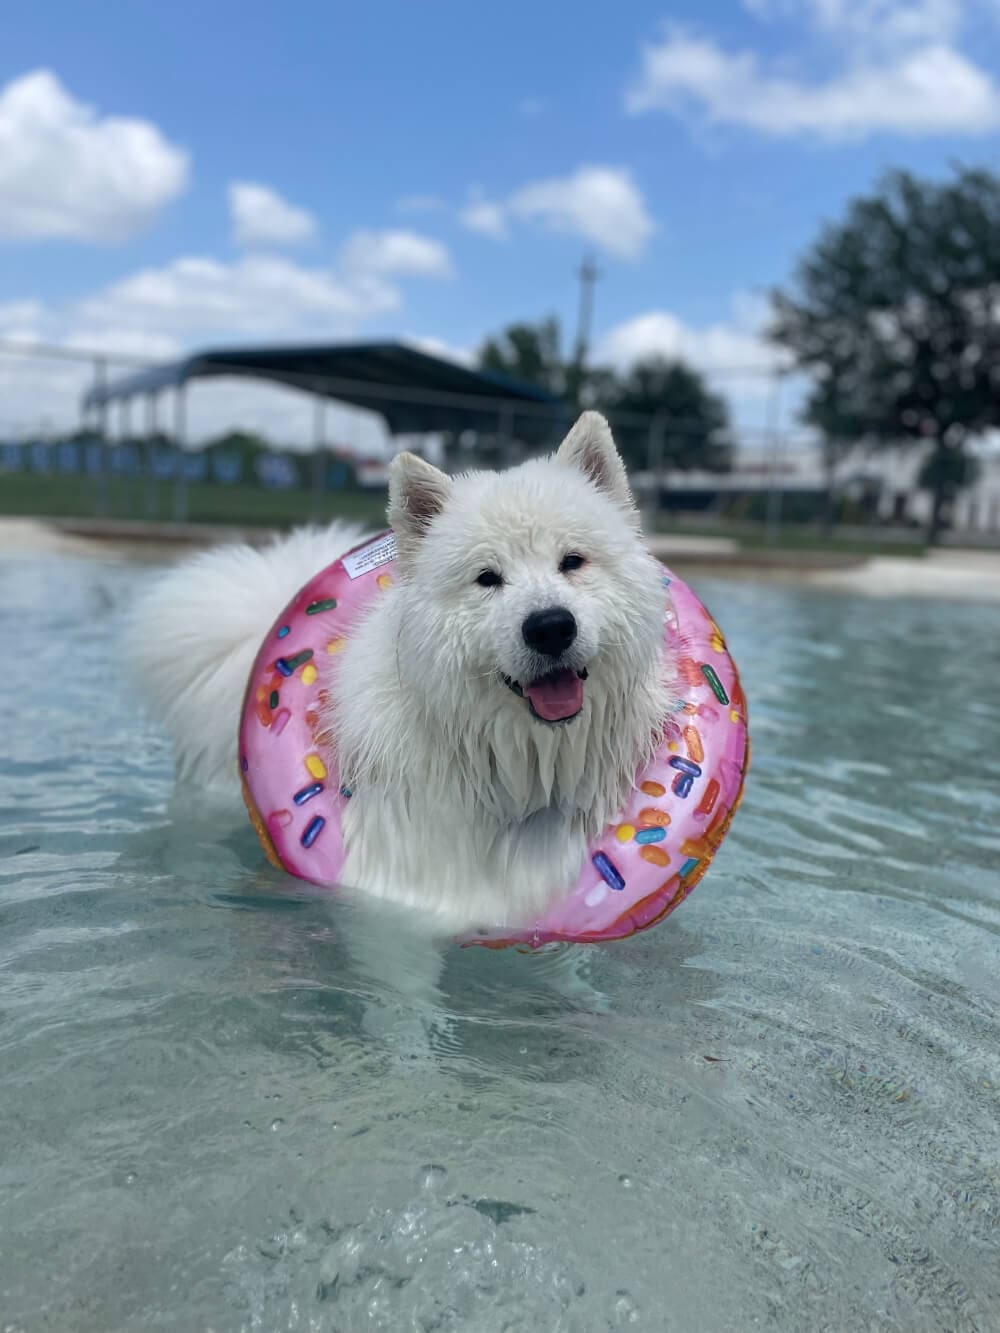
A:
[601, 204]
[38, 396]
[896, 79]
[260, 216]
[20, 315]
[733, 349]
[67, 172]
[463, 356]
[396, 254]
[259, 294]
[485, 217]
[735, 359]
[892, 21]
[111, 341]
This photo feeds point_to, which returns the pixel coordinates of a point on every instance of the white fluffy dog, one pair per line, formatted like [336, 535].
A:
[491, 710]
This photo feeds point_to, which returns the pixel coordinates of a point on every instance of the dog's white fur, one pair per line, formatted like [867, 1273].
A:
[465, 806]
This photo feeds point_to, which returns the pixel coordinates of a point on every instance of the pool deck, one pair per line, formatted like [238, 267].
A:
[949, 574]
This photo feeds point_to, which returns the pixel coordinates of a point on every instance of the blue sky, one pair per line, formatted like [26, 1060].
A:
[172, 177]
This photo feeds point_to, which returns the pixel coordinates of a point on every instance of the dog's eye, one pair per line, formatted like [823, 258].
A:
[571, 562]
[489, 578]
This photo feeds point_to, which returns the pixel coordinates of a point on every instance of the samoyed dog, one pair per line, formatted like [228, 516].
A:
[490, 711]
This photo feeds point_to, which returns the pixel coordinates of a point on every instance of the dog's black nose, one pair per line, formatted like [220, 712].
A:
[550, 631]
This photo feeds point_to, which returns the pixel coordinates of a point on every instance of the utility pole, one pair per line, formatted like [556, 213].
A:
[588, 274]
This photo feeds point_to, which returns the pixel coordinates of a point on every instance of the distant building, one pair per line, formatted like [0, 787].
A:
[881, 484]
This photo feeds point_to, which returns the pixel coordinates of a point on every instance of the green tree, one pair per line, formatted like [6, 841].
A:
[528, 352]
[662, 411]
[664, 415]
[894, 315]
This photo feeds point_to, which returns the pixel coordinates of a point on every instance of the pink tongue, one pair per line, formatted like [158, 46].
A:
[556, 696]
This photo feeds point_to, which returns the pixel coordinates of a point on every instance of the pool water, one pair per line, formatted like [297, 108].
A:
[777, 1110]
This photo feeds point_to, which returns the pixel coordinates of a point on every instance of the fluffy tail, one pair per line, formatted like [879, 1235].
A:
[192, 639]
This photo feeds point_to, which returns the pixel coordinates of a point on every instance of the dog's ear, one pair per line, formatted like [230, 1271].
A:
[590, 448]
[417, 492]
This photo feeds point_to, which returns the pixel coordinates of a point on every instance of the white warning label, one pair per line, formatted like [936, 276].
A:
[378, 552]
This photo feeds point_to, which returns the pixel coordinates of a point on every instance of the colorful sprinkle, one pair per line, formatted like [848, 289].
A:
[692, 740]
[651, 835]
[335, 645]
[696, 847]
[656, 856]
[284, 631]
[309, 675]
[687, 867]
[307, 793]
[244, 763]
[282, 818]
[652, 818]
[281, 721]
[313, 829]
[718, 643]
[625, 832]
[325, 604]
[687, 668]
[315, 766]
[685, 766]
[709, 797]
[653, 788]
[716, 684]
[273, 699]
[384, 581]
[608, 871]
[264, 714]
[683, 783]
[286, 665]
[346, 793]
[734, 715]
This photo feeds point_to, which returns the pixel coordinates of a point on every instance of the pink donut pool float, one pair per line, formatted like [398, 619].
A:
[640, 868]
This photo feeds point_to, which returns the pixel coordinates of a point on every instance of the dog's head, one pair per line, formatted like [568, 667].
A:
[527, 588]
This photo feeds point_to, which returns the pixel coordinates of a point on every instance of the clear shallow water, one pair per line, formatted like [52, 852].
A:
[786, 1117]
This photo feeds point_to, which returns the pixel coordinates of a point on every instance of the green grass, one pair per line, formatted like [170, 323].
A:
[793, 539]
[251, 506]
[797, 537]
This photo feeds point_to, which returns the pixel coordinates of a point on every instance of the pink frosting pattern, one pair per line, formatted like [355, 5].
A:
[636, 872]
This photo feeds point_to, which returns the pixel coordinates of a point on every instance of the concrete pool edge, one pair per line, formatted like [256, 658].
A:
[947, 574]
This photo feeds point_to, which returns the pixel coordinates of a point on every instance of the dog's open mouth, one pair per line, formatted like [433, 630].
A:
[556, 697]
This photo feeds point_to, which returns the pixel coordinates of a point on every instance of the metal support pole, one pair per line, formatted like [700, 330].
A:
[773, 525]
[654, 466]
[505, 437]
[149, 454]
[125, 489]
[103, 488]
[318, 458]
[180, 430]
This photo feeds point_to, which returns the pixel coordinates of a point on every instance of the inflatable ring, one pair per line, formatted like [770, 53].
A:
[639, 869]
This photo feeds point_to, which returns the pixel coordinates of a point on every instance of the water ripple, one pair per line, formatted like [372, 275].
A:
[230, 1102]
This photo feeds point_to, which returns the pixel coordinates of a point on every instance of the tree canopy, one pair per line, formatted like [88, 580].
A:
[894, 314]
[691, 427]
